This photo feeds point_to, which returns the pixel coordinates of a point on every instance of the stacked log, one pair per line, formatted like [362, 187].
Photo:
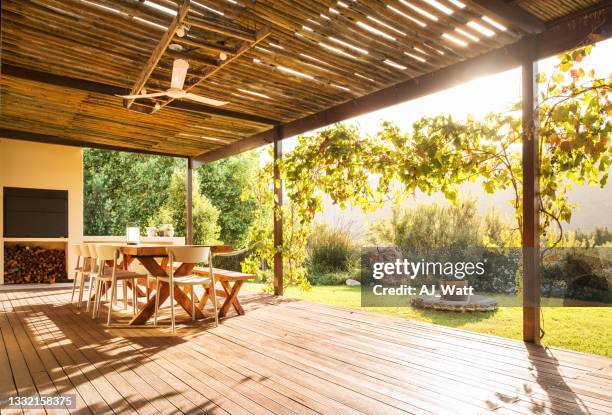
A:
[33, 264]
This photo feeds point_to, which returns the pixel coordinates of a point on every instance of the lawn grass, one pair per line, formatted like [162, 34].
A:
[584, 329]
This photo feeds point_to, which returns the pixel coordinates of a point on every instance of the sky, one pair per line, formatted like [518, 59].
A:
[478, 97]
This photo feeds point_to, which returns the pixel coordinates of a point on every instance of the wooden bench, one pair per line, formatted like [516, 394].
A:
[231, 281]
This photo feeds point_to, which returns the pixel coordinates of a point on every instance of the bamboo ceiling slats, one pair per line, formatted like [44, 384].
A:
[281, 60]
[554, 9]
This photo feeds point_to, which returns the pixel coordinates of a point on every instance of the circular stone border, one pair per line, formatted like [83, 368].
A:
[474, 303]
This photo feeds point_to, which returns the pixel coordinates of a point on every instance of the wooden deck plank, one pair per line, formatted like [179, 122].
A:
[286, 357]
[471, 389]
[166, 385]
[129, 393]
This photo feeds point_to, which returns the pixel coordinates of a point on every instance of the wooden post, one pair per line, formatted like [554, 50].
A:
[531, 202]
[189, 203]
[278, 217]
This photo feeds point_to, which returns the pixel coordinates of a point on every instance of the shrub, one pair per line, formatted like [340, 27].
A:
[330, 249]
[599, 237]
[328, 278]
[430, 226]
[454, 233]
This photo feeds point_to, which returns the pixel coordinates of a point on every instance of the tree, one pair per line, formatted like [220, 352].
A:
[223, 182]
[173, 210]
[122, 188]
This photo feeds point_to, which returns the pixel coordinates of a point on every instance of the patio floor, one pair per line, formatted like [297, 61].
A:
[286, 356]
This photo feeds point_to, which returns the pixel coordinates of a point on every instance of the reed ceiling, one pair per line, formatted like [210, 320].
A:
[272, 61]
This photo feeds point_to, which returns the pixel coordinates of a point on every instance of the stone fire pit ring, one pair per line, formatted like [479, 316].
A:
[474, 303]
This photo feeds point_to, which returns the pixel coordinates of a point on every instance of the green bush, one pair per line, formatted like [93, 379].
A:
[328, 278]
[599, 237]
[430, 226]
[330, 250]
[454, 233]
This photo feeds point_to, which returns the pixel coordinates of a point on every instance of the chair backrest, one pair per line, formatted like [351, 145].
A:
[85, 251]
[92, 251]
[75, 250]
[191, 254]
[107, 252]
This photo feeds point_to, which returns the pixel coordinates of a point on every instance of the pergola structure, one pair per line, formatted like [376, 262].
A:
[283, 67]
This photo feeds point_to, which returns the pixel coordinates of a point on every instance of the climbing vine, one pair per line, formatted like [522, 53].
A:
[441, 153]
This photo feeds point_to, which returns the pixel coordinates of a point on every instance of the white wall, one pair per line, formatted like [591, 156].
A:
[44, 166]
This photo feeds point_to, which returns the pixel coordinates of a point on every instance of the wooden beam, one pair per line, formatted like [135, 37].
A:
[514, 15]
[259, 36]
[189, 203]
[531, 201]
[64, 141]
[99, 88]
[563, 36]
[278, 215]
[159, 50]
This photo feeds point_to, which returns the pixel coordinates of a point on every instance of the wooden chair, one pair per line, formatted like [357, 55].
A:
[85, 270]
[107, 274]
[187, 255]
[75, 251]
[93, 274]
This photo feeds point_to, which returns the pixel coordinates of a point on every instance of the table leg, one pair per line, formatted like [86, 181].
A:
[183, 299]
[231, 298]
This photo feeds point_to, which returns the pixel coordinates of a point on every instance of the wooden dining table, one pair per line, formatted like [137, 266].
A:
[155, 259]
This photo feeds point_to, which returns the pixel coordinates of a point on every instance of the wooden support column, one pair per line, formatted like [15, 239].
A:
[278, 217]
[531, 200]
[189, 203]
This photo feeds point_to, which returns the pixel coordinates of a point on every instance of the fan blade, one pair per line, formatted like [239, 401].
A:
[156, 94]
[205, 100]
[179, 72]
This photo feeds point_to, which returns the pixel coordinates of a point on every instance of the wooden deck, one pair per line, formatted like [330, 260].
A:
[286, 357]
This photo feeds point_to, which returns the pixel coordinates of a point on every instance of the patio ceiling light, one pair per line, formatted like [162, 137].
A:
[342, 4]
[494, 23]
[348, 45]
[420, 11]
[375, 31]
[481, 29]
[323, 16]
[395, 64]
[401, 13]
[454, 40]
[334, 11]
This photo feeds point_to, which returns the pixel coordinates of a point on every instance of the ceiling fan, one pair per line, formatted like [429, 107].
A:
[176, 91]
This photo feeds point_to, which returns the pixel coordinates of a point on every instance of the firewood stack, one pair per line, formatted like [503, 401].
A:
[33, 264]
